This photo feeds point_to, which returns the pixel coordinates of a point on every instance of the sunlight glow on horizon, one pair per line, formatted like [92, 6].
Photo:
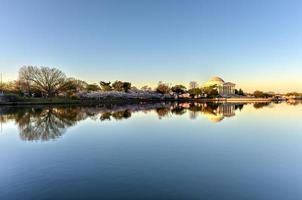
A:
[281, 86]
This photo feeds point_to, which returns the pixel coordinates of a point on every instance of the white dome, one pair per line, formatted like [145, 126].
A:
[216, 78]
[214, 81]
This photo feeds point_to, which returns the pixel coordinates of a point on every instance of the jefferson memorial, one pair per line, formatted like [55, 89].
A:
[223, 88]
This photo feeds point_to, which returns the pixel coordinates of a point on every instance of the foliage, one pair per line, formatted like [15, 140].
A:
[118, 86]
[51, 82]
[45, 79]
[127, 86]
[195, 92]
[105, 86]
[293, 94]
[260, 94]
[10, 87]
[211, 91]
[179, 89]
[121, 95]
[71, 86]
[121, 86]
[239, 92]
[92, 87]
[163, 88]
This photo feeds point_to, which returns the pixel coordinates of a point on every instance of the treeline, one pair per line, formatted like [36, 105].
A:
[260, 94]
[51, 82]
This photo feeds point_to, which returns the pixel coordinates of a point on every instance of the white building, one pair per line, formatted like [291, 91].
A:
[223, 88]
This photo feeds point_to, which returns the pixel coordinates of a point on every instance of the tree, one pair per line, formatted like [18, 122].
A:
[106, 86]
[193, 85]
[126, 86]
[163, 88]
[24, 80]
[45, 79]
[121, 86]
[194, 92]
[13, 87]
[293, 94]
[134, 88]
[239, 92]
[118, 86]
[179, 89]
[92, 87]
[211, 91]
[72, 86]
[260, 94]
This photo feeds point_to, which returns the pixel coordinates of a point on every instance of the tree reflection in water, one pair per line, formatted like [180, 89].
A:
[163, 112]
[294, 102]
[119, 115]
[42, 123]
[261, 105]
[48, 123]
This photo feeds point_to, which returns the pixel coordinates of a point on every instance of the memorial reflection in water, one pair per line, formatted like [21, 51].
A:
[47, 123]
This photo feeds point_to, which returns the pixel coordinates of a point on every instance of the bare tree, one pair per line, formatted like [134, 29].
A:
[193, 85]
[47, 80]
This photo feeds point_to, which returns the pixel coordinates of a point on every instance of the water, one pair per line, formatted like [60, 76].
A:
[152, 151]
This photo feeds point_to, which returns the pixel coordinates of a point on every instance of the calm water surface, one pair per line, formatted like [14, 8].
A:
[152, 151]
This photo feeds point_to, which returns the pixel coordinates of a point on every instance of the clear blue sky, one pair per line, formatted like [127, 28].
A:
[254, 43]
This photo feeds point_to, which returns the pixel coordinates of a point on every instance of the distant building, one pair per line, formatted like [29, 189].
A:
[223, 88]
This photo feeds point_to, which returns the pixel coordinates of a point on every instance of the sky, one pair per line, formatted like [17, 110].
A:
[255, 44]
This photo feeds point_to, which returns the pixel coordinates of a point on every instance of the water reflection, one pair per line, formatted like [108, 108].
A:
[261, 105]
[294, 102]
[42, 123]
[48, 123]
[119, 115]
[217, 112]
